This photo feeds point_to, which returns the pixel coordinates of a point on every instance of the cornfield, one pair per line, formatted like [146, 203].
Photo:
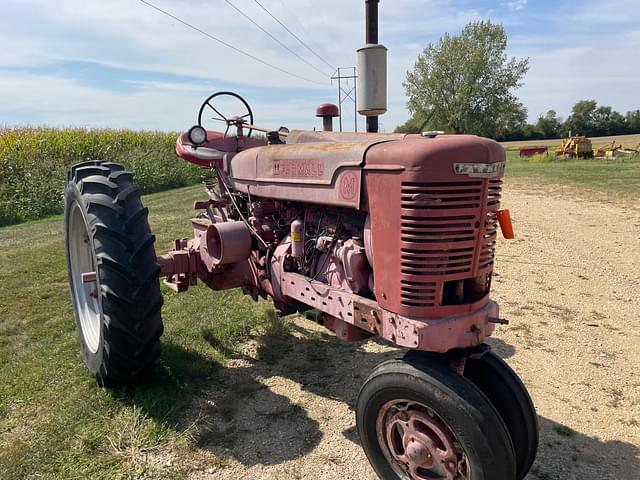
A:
[34, 162]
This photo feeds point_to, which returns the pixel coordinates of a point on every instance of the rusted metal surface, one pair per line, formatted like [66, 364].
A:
[305, 136]
[89, 277]
[531, 151]
[420, 443]
[430, 235]
[224, 243]
[327, 111]
[214, 149]
[179, 267]
[431, 226]
[368, 317]
[429, 334]
[311, 163]
[343, 330]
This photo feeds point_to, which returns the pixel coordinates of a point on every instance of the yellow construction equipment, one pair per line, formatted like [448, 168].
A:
[615, 151]
[575, 146]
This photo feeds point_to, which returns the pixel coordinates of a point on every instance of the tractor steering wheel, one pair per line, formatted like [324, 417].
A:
[209, 107]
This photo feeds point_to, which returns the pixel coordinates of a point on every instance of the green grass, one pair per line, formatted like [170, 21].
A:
[620, 176]
[34, 162]
[54, 421]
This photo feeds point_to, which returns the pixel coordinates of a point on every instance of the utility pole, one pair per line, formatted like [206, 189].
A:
[350, 94]
[371, 37]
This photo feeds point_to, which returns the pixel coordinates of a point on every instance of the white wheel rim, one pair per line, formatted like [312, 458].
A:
[85, 295]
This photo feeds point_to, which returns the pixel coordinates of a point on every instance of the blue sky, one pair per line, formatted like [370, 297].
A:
[118, 63]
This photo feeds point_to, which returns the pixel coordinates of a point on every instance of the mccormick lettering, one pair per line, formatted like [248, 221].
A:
[312, 168]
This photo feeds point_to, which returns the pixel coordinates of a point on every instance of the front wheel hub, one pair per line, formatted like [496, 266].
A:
[418, 453]
[420, 444]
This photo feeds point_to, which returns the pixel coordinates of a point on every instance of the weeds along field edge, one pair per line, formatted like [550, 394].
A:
[34, 162]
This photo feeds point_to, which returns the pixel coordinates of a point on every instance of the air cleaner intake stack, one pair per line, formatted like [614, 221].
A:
[372, 71]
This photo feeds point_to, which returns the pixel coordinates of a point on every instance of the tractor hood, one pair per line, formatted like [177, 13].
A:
[328, 167]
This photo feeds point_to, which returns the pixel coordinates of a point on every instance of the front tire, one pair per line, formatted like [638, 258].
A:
[508, 395]
[419, 420]
[113, 274]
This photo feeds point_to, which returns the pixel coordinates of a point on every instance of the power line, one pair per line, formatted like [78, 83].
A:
[295, 36]
[247, 54]
[274, 38]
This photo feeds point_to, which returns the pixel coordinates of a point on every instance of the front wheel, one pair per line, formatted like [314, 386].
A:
[420, 420]
[506, 392]
[113, 274]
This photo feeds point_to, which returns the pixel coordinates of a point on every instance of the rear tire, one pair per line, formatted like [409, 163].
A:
[508, 395]
[446, 413]
[117, 314]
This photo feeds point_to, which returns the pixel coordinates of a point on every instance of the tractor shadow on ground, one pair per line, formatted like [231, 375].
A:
[500, 347]
[565, 454]
[244, 418]
[239, 416]
[181, 375]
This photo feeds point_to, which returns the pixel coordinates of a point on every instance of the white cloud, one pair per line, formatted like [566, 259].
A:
[572, 60]
[516, 5]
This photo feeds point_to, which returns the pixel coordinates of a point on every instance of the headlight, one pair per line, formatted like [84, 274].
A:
[197, 135]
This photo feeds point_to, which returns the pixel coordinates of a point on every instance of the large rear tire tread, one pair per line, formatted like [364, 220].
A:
[128, 273]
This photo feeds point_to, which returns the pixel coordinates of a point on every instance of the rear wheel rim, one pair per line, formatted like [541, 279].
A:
[418, 444]
[85, 294]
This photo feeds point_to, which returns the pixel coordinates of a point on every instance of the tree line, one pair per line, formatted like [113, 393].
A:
[586, 118]
[465, 84]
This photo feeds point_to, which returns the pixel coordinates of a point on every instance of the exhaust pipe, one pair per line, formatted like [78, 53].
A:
[372, 70]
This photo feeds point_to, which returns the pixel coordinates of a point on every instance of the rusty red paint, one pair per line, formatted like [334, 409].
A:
[428, 224]
[421, 443]
[432, 227]
[349, 185]
[531, 151]
[430, 334]
[294, 168]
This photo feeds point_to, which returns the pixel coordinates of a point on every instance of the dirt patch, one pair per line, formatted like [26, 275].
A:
[569, 284]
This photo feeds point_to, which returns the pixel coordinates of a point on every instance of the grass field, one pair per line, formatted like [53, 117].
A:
[34, 162]
[54, 422]
[618, 177]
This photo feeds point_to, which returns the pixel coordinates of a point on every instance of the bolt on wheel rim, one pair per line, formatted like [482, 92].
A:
[85, 290]
[418, 444]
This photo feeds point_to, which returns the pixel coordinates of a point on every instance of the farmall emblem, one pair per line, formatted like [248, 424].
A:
[479, 170]
[349, 186]
[294, 168]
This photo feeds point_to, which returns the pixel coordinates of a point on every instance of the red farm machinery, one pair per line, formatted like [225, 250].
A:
[391, 235]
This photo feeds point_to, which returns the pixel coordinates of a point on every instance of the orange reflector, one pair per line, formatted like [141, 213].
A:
[504, 218]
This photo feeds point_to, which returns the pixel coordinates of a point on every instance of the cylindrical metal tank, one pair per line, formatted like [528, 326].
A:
[372, 80]
[297, 238]
[226, 242]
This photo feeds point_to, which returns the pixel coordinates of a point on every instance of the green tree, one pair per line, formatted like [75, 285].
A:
[464, 83]
[632, 121]
[549, 125]
[582, 118]
[587, 118]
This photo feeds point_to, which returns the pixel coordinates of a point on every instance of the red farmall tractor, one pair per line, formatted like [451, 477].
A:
[380, 234]
[384, 234]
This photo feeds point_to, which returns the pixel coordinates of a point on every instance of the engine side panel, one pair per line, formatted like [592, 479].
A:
[344, 191]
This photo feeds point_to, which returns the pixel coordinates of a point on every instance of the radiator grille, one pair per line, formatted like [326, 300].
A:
[488, 245]
[440, 226]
